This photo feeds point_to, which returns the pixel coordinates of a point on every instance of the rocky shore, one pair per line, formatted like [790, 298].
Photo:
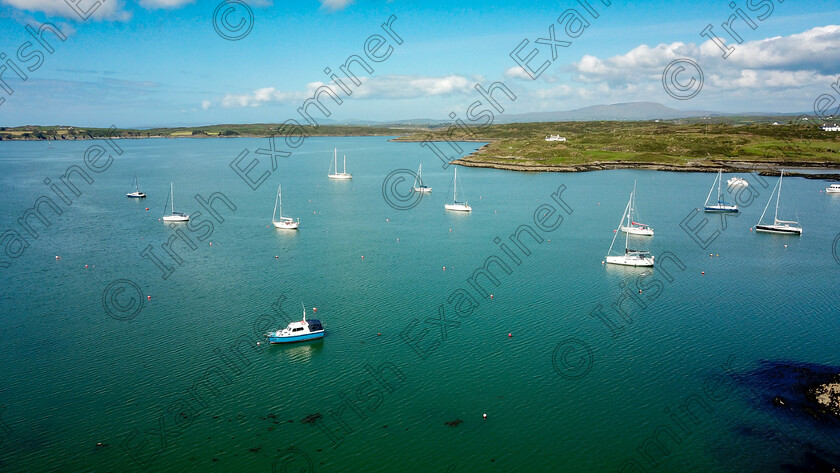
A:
[769, 168]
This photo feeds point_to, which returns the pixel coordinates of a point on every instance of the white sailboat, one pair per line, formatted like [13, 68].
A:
[630, 257]
[136, 194]
[787, 227]
[720, 206]
[174, 216]
[455, 205]
[339, 175]
[421, 188]
[632, 227]
[286, 223]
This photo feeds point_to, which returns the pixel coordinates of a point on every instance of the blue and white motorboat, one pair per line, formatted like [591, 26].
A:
[301, 331]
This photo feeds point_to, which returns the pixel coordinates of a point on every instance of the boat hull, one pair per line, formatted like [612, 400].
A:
[296, 338]
[340, 177]
[458, 207]
[630, 261]
[176, 218]
[136, 195]
[422, 190]
[286, 226]
[721, 209]
[780, 229]
[832, 190]
[637, 231]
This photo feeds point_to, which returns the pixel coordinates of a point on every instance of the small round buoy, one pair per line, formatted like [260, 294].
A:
[314, 309]
[717, 255]
[387, 219]
[398, 239]
[485, 416]
[750, 228]
[602, 262]
[56, 256]
[785, 246]
[147, 208]
[275, 256]
[491, 296]
[615, 231]
[510, 335]
[710, 255]
[549, 240]
[85, 266]
[378, 334]
[258, 343]
[149, 298]
[599, 203]
[313, 211]
[450, 229]
[702, 272]
[444, 268]
[98, 444]
[363, 256]
[211, 243]
[640, 291]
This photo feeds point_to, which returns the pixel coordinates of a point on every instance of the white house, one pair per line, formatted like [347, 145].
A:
[555, 138]
[830, 127]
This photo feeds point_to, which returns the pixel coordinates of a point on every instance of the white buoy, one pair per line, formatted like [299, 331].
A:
[485, 416]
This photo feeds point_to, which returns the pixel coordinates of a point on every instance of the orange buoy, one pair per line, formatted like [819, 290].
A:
[491, 296]
[149, 297]
[378, 334]
[147, 208]
[510, 335]
[702, 272]
[314, 309]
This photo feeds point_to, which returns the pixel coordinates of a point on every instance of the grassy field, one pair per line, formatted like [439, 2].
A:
[524, 144]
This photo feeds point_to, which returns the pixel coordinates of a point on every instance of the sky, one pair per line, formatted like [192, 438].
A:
[153, 63]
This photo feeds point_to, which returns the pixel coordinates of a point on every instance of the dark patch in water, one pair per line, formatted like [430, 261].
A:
[453, 423]
[804, 435]
[791, 387]
[311, 418]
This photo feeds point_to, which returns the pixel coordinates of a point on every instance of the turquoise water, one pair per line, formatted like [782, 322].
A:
[74, 377]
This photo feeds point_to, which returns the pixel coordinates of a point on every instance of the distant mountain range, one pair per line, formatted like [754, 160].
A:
[630, 111]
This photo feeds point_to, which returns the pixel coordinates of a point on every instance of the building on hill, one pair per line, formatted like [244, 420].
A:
[830, 127]
[555, 138]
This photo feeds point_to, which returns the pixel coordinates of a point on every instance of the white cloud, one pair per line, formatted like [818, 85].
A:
[164, 4]
[107, 10]
[517, 72]
[335, 5]
[205, 104]
[391, 87]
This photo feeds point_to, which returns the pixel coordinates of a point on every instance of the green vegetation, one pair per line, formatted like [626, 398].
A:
[523, 144]
[226, 130]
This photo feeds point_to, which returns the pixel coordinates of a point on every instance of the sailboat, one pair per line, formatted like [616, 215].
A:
[786, 227]
[630, 257]
[286, 223]
[720, 206]
[421, 188]
[136, 194]
[174, 216]
[455, 205]
[339, 175]
[635, 228]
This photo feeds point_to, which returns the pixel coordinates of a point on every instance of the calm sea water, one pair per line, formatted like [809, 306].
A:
[561, 394]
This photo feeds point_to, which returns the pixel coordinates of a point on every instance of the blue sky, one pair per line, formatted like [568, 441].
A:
[161, 62]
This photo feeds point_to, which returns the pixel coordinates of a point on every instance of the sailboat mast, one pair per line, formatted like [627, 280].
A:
[776, 215]
[344, 171]
[276, 198]
[455, 193]
[172, 196]
[720, 173]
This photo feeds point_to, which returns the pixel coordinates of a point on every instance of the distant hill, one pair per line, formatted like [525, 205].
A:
[630, 111]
